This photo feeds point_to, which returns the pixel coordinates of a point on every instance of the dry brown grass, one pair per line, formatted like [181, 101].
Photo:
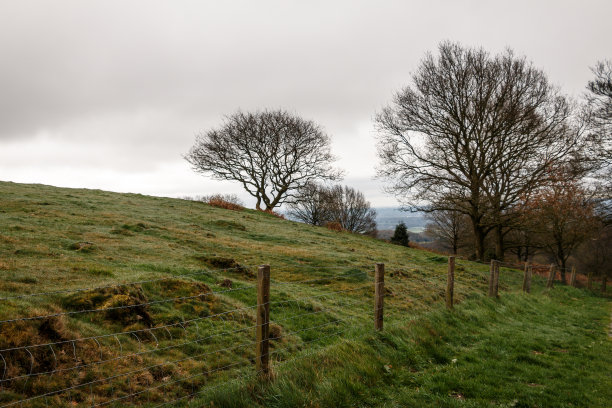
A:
[333, 226]
[217, 201]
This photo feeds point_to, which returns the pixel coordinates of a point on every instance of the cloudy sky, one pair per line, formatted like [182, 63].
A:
[110, 94]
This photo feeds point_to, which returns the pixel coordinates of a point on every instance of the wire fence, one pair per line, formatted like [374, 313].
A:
[145, 352]
[142, 351]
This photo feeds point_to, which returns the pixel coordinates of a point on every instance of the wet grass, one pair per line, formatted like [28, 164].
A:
[57, 239]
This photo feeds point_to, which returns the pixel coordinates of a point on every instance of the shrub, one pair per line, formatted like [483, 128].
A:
[333, 225]
[226, 201]
[219, 202]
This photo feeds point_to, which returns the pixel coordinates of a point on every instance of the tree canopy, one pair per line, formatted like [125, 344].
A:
[474, 133]
[270, 153]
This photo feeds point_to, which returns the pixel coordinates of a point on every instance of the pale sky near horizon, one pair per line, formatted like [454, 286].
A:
[110, 94]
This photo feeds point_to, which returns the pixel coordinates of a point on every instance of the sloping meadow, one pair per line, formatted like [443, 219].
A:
[118, 299]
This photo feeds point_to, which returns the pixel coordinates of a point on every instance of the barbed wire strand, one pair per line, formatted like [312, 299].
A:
[77, 290]
[195, 341]
[150, 331]
[128, 373]
[105, 309]
[177, 323]
[208, 389]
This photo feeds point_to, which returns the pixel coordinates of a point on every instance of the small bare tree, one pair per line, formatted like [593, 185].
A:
[563, 217]
[310, 205]
[318, 205]
[449, 228]
[271, 153]
[595, 256]
[349, 207]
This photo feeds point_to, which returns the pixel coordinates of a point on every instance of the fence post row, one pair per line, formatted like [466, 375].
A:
[527, 278]
[262, 352]
[450, 282]
[379, 293]
[551, 276]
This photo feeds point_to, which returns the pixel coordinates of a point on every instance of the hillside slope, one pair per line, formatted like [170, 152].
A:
[110, 299]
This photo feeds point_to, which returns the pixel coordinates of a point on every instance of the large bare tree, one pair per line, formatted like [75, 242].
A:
[599, 118]
[599, 99]
[271, 153]
[472, 134]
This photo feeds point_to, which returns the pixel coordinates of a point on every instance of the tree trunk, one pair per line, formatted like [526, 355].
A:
[479, 237]
[562, 272]
[519, 253]
[590, 280]
[604, 282]
[499, 243]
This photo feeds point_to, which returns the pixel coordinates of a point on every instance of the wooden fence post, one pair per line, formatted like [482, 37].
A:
[450, 282]
[573, 277]
[497, 263]
[492, 279]
[262, 352]
[590, 280]
[527, 278]
[551, 276]
[379, 293]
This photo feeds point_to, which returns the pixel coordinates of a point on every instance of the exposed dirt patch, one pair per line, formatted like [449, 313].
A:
[83, 246]
[217, 262]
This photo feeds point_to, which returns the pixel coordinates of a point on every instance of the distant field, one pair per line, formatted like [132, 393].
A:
[325, 352]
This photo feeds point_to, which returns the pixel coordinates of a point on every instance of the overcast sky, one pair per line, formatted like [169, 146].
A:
[110, 94]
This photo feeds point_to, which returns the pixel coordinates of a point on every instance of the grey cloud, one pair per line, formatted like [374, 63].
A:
[138, 79]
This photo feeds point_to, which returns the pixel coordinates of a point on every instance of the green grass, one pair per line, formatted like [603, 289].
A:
[57, 239]
[549, 350]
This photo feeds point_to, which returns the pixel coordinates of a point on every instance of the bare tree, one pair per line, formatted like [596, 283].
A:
[599, 99]
[599, 118]
[596, 253]
[318, 205]
[450, 228]
[523, 242]
[563, 216]
[271, 153]
[473, 134]
[349, 207]
[310, 205]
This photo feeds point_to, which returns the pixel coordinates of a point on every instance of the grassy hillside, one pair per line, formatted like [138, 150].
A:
[56, 241]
